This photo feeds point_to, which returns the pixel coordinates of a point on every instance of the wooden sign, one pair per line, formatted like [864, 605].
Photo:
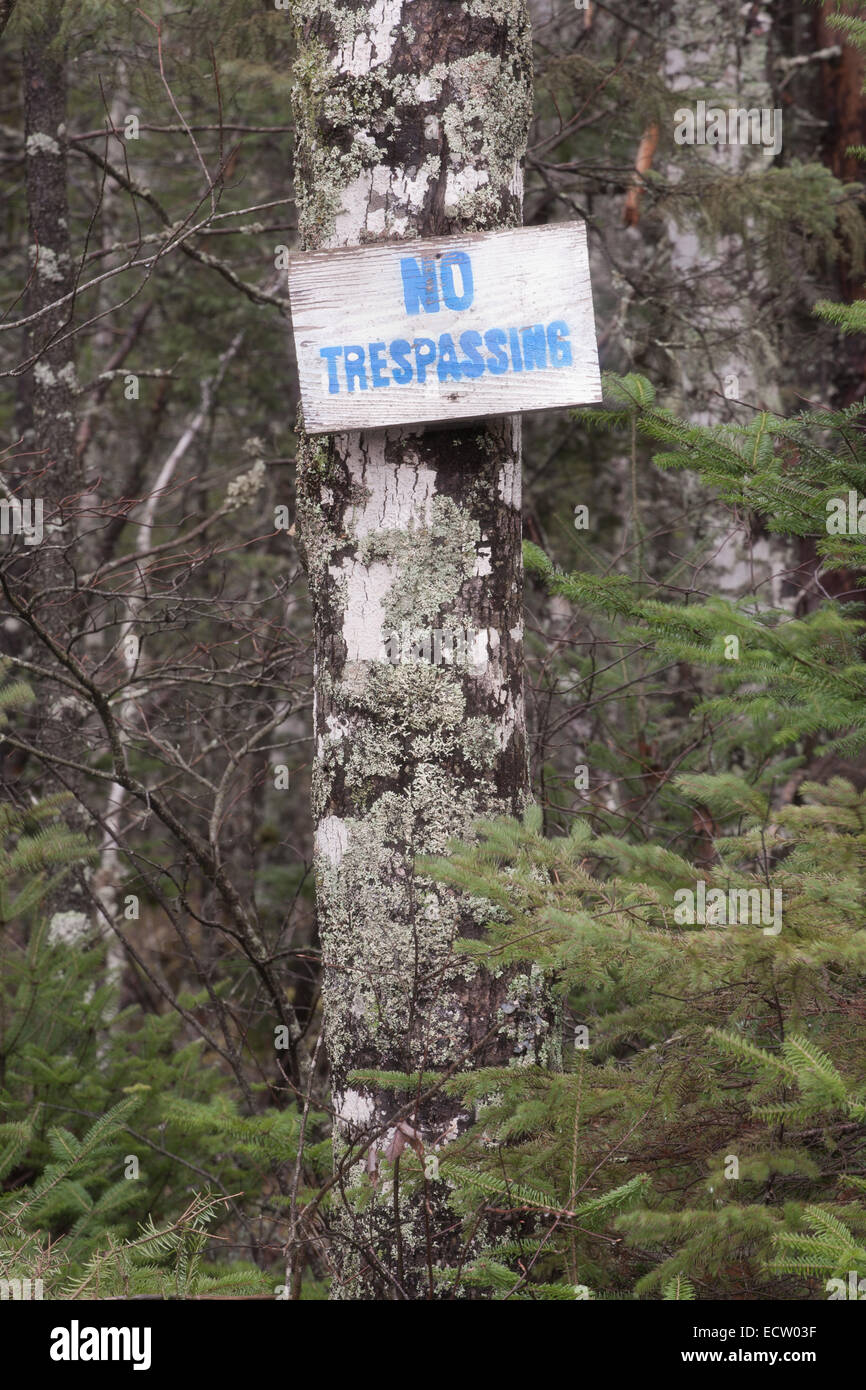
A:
[399, 333]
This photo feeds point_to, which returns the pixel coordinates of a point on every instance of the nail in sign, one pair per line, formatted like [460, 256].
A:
[403, 332]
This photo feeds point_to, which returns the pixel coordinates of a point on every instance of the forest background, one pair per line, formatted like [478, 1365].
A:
[695, 679]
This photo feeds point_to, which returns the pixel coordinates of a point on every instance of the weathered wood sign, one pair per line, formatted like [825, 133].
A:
[400, 333]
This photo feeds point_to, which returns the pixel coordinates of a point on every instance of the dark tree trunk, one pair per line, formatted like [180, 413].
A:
[48, 472]
[48, 389]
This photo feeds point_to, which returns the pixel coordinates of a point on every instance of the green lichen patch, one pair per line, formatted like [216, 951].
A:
[433, 562]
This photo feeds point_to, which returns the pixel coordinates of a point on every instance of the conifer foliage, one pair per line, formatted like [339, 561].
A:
[706, 1135]
[119, 1149]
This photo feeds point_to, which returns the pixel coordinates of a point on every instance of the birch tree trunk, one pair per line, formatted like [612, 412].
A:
[412, 119]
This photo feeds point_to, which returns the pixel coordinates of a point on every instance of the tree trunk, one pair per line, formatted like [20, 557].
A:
[50, 384]
[412, 121]
[47, 400]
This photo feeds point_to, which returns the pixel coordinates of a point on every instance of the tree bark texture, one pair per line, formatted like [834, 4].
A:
[46, 404]
[412, 118]
[50, 385]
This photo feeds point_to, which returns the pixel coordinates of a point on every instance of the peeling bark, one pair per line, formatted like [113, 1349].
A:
[412, 120]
